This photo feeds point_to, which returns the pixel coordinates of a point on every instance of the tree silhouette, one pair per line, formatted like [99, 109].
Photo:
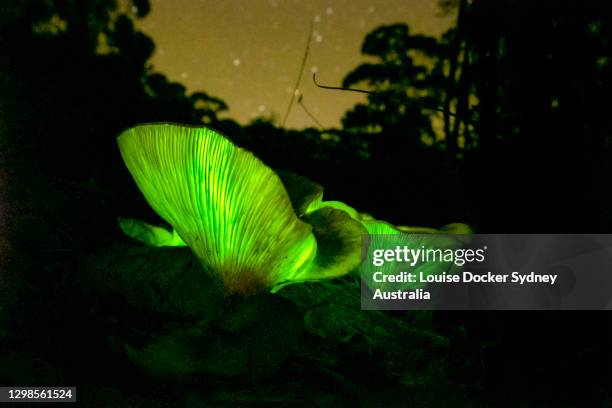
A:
[400, 80]
[505, 89]
[397, 121]
[74, 74]
[539, 89]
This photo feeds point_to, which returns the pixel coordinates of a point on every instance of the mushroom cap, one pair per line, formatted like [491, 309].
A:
[224, 203]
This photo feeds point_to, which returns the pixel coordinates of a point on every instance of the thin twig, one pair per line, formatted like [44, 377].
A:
[340, 88]
[310, 115]
[301, 72]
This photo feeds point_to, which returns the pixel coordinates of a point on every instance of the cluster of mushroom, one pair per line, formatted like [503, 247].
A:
[252, 228]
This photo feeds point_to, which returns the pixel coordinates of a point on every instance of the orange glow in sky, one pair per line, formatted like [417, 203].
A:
[248, 52]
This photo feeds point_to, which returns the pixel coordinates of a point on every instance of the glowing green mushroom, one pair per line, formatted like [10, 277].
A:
[233, 211]
[150, 234]
[307, 198]
[383, 235]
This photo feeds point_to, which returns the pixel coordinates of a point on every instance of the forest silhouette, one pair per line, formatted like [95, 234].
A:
[516, 90]
[501, 124]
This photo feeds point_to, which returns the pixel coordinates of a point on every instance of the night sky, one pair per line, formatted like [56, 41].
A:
[248, 52]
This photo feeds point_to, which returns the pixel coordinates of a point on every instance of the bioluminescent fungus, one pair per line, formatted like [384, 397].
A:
[150, 234]
[233, 211]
